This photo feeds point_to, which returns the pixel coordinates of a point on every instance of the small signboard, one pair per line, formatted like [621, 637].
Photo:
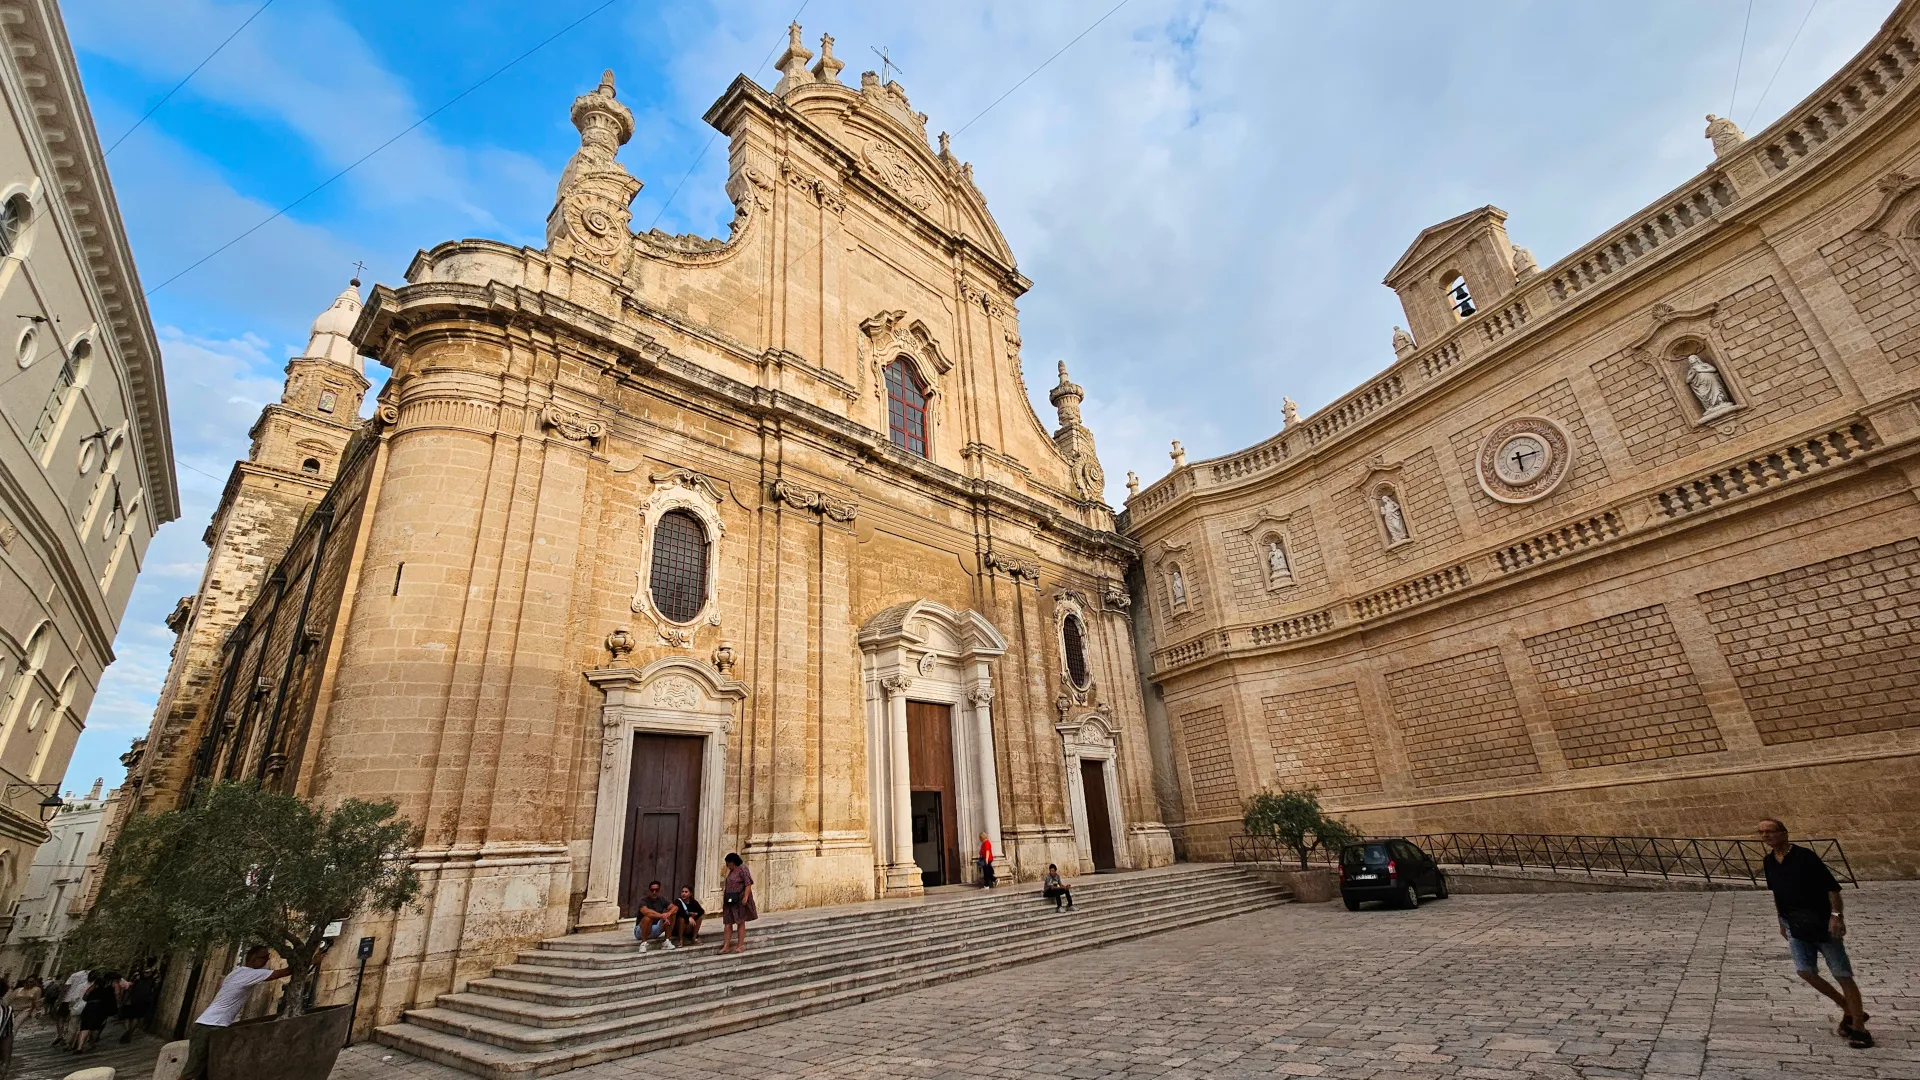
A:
[366, 947]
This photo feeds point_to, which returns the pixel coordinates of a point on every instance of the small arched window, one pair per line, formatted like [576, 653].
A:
[1459, 296]
[311, 466]
[906, 408]
[678, 576]
[16, 215]
[1073, 645]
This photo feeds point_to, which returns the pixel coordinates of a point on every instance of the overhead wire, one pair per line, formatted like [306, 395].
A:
[1752, 116]
[168, 96]
[1741, 61]
[1043, 65]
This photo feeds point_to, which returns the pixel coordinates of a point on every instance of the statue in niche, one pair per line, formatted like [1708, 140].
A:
[1390, 516]
[1709, 389]
[1277, 567]
[1178, 584]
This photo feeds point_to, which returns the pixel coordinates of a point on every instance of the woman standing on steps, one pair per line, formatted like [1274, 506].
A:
[736, 906]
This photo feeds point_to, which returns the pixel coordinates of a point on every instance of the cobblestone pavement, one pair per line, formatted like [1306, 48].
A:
[1588, 986]
[36, 1058]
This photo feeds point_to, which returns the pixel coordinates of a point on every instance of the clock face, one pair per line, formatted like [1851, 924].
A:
[1521, 459]
[1524, 459]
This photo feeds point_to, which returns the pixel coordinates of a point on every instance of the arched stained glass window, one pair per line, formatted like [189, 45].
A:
[906, 408]
[678, 576]
[1073, 643]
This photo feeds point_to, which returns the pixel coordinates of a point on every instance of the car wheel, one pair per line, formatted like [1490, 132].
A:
[1440, 891]
[1352, 904]
[1411, 898]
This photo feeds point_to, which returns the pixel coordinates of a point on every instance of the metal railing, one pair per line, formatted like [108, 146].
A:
[1692, 858]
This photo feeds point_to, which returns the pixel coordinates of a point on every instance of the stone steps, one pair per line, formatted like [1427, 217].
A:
[576, 1001]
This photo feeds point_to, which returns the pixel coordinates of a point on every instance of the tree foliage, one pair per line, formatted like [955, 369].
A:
[246, 866]
[1295, 819]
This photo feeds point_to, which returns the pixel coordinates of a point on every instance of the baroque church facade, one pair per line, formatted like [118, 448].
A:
[1623, 545]
[658, 547]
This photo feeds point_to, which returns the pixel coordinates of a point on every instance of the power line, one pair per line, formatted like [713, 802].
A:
[1741, 62]
[698, 158]
[322, 185]
[1044, 63]
[164, 98]
[1783, 62]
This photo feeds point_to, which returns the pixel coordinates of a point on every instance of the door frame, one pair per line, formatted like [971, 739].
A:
[634, 816]
[1089, 738]
[677, 695]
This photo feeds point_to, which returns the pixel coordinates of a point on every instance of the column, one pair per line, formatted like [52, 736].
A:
[903, 876]
[981, 694]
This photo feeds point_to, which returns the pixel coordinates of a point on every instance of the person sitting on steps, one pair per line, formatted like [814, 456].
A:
[687, 914]
[656, 918]
[1056, 890]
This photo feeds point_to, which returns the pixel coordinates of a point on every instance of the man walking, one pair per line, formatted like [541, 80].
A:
[1813, 920]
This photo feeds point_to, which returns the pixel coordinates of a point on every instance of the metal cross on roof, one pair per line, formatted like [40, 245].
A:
[887, 66]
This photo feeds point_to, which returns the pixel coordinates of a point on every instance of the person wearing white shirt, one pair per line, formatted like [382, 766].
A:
[225, 1009]
[70, 1006]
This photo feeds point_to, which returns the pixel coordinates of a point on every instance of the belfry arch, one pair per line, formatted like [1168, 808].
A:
[925, 656]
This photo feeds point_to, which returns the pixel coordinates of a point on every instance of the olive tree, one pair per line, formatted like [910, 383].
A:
[1295, 819]
[245, 866]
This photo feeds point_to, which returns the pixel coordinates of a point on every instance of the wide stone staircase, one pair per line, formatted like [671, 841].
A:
[587, 998]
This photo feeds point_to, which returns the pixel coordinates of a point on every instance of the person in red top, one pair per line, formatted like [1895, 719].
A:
[986, 862]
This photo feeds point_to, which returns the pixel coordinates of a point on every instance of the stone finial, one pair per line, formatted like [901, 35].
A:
[620, 644]
[724, 658]
[94, 795]
[1289, 413]
[1524, 264]
[1402, 342]
[1178, 454]
[1133, 483]
[1066, 398]
[828, 67]
[1724, 133]
[591, 208]
[793, 62]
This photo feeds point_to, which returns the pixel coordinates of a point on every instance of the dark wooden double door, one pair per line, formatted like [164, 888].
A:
[936, 839]
[663, 818]
[1093, 791]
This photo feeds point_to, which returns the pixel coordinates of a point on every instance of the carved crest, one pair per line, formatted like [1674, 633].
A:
[893, 170]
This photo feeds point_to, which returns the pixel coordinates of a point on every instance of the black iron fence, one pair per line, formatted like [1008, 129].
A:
[1692, 858]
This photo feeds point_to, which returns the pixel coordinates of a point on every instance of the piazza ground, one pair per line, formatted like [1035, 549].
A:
[1589, 986]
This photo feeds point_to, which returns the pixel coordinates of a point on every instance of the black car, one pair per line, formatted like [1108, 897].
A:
[1394, 870]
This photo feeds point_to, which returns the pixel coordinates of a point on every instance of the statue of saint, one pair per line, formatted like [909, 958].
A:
[1402, 342]
[1179, 587]
[1289, 413]
[1725, 134]
[1524, 264]
[1709, 389]
[1277, 560]
[1390, 516]
[1133, 483]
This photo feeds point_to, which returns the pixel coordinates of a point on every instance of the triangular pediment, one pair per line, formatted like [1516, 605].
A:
[1435, 241]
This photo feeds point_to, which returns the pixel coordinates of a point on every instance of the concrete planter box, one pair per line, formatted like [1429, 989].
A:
[302, 1048]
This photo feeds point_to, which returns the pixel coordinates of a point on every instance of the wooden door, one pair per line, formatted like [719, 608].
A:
[930, 770]
[1093, 787]
[663, 818]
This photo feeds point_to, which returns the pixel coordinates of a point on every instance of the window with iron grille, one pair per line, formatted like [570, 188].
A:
[906, 408]
[679, 574]
[1076, 649]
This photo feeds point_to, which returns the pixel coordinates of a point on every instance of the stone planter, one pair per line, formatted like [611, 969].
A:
[1314, 886]
[301, 1048]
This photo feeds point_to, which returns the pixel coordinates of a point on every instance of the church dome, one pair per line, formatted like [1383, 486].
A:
[331, 336]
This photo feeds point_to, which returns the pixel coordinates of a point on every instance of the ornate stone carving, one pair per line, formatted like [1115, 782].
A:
[1075, 442]
[1524, 459]
[897, 174]
[1178, 454]
[1177, 584]
[676, 693]
[571, 425]
[828, 68]
[1277, 566]
[697, 494]
[1524, 264]
[724, 658]
[1708, 388]
[1289, 413]
[1115, 596]
[591, 212]
[889, 335]
[1724, 134]
[687, 478]
[998, 562]
[828, 506]
[387, 414]
[980, 695]
[1391, 518]
[895, 684]
[925, 666]
[1133, 483]
[620, 644]
[1403, 344]
[9, 532]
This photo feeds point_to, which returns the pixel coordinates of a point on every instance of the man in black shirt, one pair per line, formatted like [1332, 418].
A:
[656, 918]
[1813, 921]
[687, 914]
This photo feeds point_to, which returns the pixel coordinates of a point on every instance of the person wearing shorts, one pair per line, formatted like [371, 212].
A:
[737, 908]
[1811, 910]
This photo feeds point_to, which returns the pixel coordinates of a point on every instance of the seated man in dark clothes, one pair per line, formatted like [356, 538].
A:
[687, 914]
[656, 917]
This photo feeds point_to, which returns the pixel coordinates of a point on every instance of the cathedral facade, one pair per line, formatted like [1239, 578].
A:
[1624, 545]
[659, 547]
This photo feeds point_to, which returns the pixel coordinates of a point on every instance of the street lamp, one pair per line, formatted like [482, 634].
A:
[49, 806]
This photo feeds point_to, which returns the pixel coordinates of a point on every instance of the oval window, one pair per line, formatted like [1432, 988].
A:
[1073, 643]
[678, 576]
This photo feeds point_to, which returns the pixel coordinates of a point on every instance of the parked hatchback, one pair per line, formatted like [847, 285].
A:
[1394, 870]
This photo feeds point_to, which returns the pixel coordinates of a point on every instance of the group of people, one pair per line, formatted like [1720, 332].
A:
[674, 921]
[79, 1006]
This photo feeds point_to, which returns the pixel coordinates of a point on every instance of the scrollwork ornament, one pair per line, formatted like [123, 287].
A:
[570, 425]
[980, 695]
[895, 684]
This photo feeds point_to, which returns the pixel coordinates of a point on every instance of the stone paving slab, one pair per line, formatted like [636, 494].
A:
[1576, 986]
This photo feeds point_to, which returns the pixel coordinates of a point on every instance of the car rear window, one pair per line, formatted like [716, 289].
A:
[1370, 854]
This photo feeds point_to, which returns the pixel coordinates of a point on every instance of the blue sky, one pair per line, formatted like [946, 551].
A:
[1205, 194]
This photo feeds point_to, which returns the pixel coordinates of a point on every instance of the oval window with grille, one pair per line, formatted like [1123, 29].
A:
[1073, 644]
[678, 576]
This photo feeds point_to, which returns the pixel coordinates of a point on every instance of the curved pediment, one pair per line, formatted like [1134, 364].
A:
[927, 624]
